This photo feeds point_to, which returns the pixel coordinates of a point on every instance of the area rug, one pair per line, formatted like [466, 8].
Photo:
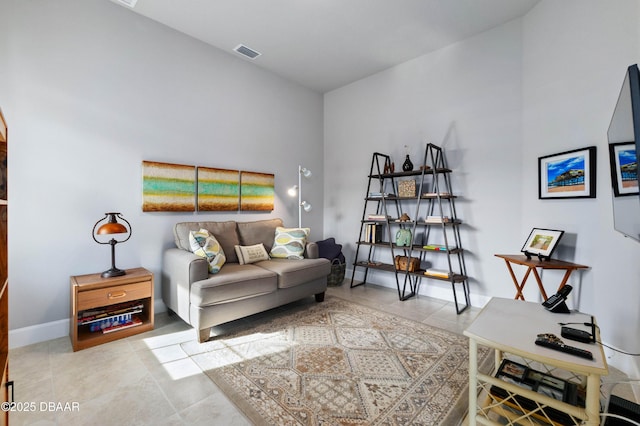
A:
[341, 363]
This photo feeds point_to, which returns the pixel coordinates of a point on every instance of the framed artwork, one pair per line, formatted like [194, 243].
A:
[168, 187]
[256, 191]
[623, 159]
[570, 174]
[541, 242]
[218, 189]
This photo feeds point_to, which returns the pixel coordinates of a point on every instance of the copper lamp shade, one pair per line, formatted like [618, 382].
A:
[112, 228]
[109, 227]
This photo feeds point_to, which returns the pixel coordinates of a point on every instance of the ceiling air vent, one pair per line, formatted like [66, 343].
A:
[245, 51]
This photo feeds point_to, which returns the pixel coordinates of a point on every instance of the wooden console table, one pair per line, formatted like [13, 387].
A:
[532, 265]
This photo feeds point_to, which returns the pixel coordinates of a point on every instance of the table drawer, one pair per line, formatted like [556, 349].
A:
[111, 295]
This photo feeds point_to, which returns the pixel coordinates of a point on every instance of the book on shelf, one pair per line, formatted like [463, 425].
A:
[378, 217]
[440, 273]
[373, 233]
[104, 320]
[435, 247]
[375, 194]
[437, 219]
[117, 327]
[542, 383]
[103, 324]
[435, 194]
[88, 316]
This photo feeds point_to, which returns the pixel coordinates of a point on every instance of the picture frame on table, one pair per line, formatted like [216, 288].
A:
[569, 174]
[541, 243]
[623, 160]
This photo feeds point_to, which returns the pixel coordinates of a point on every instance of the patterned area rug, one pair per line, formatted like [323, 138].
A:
[340, 363]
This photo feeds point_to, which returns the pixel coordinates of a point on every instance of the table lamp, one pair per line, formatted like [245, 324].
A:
[110, 227]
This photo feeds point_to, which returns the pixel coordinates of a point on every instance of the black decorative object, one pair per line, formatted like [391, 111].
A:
[407, 166]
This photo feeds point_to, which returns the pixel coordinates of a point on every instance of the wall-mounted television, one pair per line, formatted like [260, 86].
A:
[624, 149]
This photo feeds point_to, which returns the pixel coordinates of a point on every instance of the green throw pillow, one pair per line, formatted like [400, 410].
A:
[204, 244]
[289, 243]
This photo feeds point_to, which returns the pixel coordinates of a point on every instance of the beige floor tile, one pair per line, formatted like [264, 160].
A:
[215, 409]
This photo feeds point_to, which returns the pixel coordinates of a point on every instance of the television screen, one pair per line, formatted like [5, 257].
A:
[624, 149]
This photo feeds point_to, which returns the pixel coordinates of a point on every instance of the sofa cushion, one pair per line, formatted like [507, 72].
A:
[295, 272]
[260, 231]
[203, 244]
[233, 282]
[225, 232]
[251, 254]
[289, 243]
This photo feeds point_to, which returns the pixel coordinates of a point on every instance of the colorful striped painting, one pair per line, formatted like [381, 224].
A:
[218, 189]
[168, 187]
[256, 191]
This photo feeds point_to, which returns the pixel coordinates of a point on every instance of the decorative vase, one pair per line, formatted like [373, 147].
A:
[407, 166]
[403, 238]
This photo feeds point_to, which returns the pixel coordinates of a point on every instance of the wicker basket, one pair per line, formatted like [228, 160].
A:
[401, 263]
[335, 278]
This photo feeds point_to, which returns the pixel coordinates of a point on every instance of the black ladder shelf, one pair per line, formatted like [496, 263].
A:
[434, 227]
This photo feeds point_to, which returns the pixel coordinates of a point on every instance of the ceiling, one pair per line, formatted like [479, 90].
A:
[325, 44]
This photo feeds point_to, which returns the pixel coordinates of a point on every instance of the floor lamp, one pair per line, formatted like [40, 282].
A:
[302, 205]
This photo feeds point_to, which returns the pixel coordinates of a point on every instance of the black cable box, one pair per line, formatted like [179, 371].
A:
[624, 408]
[575, 334]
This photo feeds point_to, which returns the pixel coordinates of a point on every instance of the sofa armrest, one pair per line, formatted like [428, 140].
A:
[312, 251]
[180, 269]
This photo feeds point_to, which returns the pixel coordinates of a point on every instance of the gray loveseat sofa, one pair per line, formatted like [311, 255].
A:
[204, 300]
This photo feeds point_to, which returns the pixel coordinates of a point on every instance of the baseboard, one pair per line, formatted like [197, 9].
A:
[53, 330]
[38, 333]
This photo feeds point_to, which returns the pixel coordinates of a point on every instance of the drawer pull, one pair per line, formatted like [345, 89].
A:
[117, 294]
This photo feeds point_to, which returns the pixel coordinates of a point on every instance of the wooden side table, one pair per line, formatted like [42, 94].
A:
[511, 327]
[532, 265]
[95, 299]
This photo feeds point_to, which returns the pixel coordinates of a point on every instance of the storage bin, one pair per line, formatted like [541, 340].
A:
[401, 263]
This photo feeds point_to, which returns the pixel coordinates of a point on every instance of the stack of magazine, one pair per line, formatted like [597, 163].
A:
[112, 318]
[545, 384]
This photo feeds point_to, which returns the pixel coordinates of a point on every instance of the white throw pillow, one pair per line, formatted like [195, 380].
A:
[290, 243]
[251, 254]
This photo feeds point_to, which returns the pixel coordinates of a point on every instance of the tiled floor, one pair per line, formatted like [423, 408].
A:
[149, 379]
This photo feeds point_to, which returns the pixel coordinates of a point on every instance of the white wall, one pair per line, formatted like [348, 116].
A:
[465, 98]
[575, 57]
[544, 84]
[90, 90]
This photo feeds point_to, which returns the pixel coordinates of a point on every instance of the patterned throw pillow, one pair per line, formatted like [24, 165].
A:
[251, 254]
[204, 244]
[290, 243]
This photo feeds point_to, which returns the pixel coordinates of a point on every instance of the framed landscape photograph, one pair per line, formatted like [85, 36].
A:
[624, 168]
[541, 242]
[570, 174]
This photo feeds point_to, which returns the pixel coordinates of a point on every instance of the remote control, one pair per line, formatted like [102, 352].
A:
[551, 341]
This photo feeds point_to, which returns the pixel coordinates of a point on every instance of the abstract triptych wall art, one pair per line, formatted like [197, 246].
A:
[183, 188]
[257, 191]
[168, 187]
[218, 189]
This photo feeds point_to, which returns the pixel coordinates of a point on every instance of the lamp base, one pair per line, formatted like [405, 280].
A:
[113, 272]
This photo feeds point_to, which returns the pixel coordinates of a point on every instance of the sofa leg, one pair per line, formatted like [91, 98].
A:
[320, 297]
[203, 335]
